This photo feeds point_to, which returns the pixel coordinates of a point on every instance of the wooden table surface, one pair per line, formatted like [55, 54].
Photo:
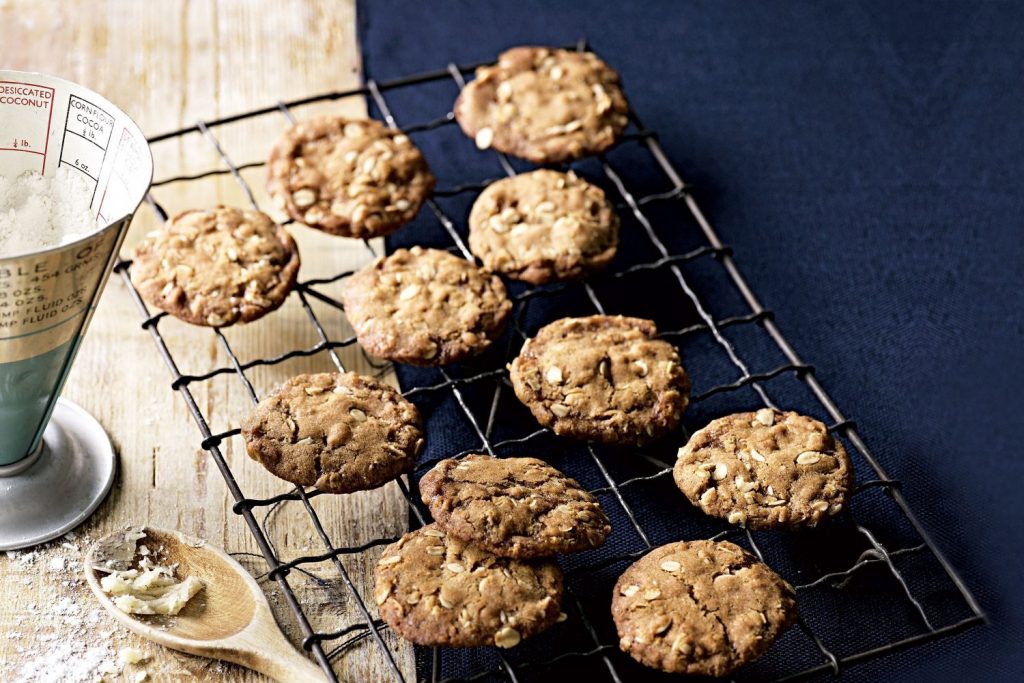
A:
[169, 64]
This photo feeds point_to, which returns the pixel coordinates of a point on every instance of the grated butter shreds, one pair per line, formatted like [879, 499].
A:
[150, 589]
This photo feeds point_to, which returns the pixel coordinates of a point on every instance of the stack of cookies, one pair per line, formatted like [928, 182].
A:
[484, 573]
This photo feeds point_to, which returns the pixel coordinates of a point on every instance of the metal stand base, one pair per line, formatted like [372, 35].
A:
[61, 484]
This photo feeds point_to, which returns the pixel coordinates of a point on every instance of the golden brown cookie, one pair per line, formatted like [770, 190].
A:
[348, 177]
[513, 507]
[700, 607]
[433, 589]
[765, 469]
[425, 307]
[602, 378]
[216, 267]
[544, 105]
[339, 432]
[543, 226]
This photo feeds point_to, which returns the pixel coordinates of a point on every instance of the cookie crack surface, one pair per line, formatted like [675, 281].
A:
[706, 612]
[700, 607]
[339, 432]
[518, 507]
[768, 468]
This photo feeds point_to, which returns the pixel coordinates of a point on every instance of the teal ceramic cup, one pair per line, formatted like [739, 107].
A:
[48, 296]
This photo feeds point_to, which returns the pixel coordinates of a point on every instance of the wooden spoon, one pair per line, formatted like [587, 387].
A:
[228, 619]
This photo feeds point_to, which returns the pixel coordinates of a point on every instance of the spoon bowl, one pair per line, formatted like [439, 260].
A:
[228, 619]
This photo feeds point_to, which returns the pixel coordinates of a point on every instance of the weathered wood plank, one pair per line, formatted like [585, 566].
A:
[169, 64]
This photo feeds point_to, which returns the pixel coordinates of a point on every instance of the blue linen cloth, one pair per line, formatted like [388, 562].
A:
[863, 159]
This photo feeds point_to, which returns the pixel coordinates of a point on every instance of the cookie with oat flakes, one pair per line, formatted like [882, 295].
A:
[348, 177]
[433, 589]
[544, 105]
[602, 378]
[216, 267]
[340, 432]
[765, 469]
[543, 226]
[513, 507]
[425, 307]
[700, 608]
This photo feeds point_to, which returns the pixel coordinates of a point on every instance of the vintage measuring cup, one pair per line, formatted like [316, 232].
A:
[56, 462]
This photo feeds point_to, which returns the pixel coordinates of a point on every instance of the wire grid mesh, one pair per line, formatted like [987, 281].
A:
[889, 560]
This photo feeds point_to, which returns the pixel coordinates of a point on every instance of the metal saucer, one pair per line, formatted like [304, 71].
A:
[49, 493]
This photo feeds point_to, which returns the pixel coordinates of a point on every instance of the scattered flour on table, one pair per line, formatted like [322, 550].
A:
[38, 212]
[66, 639]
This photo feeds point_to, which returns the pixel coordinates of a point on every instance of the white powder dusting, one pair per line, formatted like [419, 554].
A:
[38, 212]
[67, 638]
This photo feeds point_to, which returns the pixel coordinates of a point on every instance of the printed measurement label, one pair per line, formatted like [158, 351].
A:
[26, 110]
[87, 132]
[43, 298]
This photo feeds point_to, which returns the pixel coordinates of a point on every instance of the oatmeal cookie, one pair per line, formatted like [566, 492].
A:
[216, 267]
[544, 105]
[602, 378]
[425, 307]
[354, 178]
[765, 469]
[434, 589]
[543, 226]
[513, 507]
[700, 607]
[341, 432]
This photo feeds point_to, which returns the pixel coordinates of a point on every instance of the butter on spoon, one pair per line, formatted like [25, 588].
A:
[228, 619]
[149, 589]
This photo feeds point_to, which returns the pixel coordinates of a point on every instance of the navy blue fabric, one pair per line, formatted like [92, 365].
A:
[864, 161]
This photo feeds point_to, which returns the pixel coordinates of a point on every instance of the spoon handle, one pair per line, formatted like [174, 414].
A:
[287, 666]
[270, 653]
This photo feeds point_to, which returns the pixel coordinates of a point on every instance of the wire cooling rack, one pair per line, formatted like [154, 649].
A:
[870, 582]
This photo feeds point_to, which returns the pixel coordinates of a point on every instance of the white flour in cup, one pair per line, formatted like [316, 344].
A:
[38, 213]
